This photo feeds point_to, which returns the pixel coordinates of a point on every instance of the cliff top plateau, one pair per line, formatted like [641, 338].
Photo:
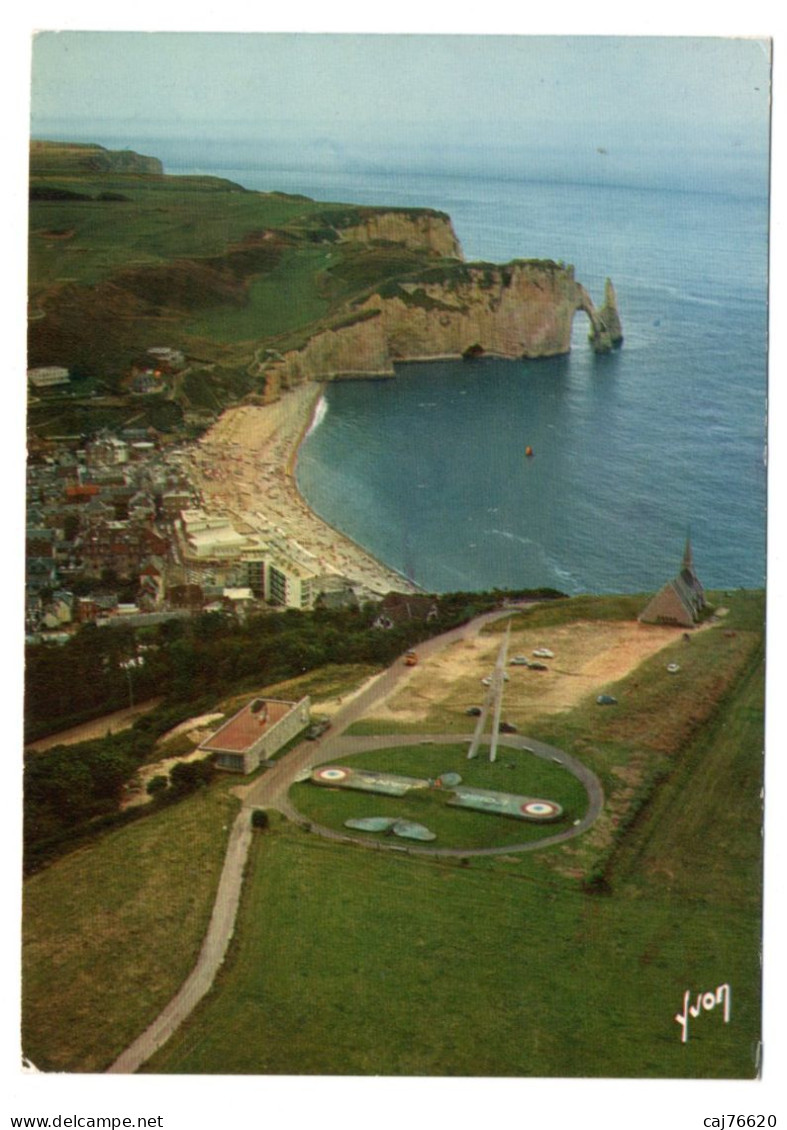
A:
[257, 290]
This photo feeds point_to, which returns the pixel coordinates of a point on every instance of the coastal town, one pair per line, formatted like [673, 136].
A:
[134, 526]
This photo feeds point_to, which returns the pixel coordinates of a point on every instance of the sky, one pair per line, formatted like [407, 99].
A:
[471, 84]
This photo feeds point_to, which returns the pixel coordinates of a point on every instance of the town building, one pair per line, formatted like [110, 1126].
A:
[174, 502]
[291, 575]
[210, 537]
[186, 596]
[106, 450]
[166, 357]
[48, 376]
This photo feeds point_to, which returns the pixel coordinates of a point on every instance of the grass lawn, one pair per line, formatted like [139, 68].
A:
[348, 963]
[568, 610]
[333, 681]
[163, 219]
[322, 684]
[514, 771]
[720, 772]
[111, 931]
[285, 299]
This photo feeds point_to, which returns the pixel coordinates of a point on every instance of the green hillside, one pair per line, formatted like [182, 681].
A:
[123, 257]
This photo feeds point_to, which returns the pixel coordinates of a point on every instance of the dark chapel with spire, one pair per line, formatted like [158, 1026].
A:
[681, 600]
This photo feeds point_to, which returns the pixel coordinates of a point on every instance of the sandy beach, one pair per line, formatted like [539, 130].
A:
[244, 467]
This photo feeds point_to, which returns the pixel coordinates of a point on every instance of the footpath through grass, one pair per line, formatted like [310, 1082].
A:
[113, 929]
[287, 298]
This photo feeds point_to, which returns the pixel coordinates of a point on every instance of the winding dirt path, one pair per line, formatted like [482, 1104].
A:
[107, 724]
[211, 956]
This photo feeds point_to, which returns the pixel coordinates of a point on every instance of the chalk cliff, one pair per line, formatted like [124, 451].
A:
[418, 229]
[522, 309]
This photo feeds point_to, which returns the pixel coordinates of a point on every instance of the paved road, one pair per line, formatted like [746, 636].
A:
[271, 790]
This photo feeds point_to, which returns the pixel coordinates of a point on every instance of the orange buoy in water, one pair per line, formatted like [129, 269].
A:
[528, 450]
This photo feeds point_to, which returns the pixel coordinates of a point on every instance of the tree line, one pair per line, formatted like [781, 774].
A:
[191, 663]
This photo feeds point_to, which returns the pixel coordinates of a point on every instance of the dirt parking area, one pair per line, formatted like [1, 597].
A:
[588, 656]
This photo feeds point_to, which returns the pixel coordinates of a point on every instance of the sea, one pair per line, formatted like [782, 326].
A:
[633, 451]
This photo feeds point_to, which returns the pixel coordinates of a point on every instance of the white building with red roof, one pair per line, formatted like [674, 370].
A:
[256, 733]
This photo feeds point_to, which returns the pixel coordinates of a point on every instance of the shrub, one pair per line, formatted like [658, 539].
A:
[157, 785]
[187, 776]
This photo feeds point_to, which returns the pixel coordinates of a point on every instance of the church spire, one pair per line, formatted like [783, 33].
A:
[688, 557]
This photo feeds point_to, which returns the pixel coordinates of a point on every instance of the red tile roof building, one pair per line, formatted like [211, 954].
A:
[256, 733]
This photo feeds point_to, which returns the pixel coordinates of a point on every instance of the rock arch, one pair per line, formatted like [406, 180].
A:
[606, 332]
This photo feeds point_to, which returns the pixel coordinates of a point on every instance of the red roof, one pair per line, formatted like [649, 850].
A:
[82, 490]
[246, 727]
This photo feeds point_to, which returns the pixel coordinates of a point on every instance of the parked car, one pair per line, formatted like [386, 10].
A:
[317, 729]
[520, 661]
[508, 728]
[606, 700]
[538, 667]
[543, 653]
[474, 711]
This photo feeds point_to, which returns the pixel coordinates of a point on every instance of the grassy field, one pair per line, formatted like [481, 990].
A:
[112, 930]
[221, 271]
[325, 683]
[162, 219]
[287, 298]
[347, 962]
[513, 771]
[721, 771]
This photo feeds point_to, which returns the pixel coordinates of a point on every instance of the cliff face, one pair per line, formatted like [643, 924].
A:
[344, 290]
[520, 310]
[523, 309]
[357, 350]
[417, 229]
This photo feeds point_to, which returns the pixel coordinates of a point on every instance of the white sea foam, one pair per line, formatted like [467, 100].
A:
[513, 537]
[320, 412]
